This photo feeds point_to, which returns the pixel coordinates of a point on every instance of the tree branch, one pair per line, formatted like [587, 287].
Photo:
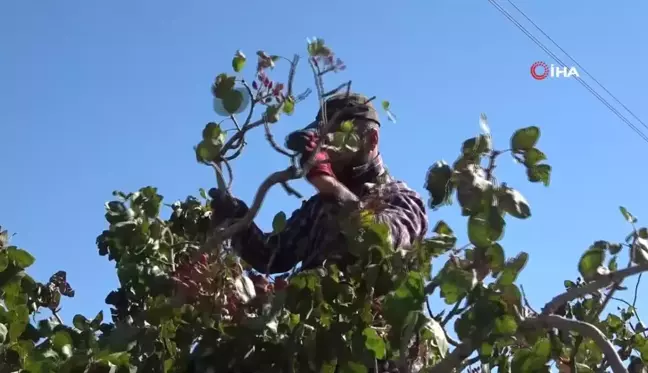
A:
[454, 359]
[586, 330]
[604, 281]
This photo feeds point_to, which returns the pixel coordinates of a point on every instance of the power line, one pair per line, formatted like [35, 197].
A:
[557, 59]
[577, 64]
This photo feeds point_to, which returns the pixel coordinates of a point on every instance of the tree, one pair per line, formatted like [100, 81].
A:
[186, 303]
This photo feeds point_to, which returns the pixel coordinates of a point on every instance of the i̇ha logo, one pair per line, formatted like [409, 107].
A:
[540, 71]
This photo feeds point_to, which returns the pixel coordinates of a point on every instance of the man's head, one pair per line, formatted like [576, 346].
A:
[366, 125]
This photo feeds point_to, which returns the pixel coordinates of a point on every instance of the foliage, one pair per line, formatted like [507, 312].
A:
[187, 303]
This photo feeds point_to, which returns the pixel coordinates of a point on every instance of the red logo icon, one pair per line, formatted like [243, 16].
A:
[539, 70]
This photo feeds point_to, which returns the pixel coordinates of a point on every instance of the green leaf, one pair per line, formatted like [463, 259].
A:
[533, 157]
[484, 231]
[513, 202]
[455, 283]
[207, 152]
[279, 222]
[21, 258]
[525, 138]
[19, 317]
[238, 62]
[62, 342]
[232, 101]
[213, 131]
[442, 228]
[485, 352]
[496, 258]
[96, 322]
[542, 348]
[46, 326]
[409, 296]
[374, 343]
[223, 85]
[590, 261]
[512, 269]
[438, 183]
[385, 105]
[288, 106]
[475, 146]
[539, 173]
[506, 325]
[80, 322]
[627, 215]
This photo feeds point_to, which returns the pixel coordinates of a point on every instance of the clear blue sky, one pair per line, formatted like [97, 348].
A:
[98, 96]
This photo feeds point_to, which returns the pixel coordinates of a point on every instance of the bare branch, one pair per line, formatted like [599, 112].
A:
[636, 289]
[291, 191]
[220, 179]
[221, 234]
[291, 73]
[230, 174]
[604, 281]
[273, 143]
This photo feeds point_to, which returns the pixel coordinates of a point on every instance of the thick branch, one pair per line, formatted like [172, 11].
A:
[278, 177]
[606, 280]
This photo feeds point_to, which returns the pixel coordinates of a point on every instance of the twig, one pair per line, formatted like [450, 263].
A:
[469, 362]
[291, 191]
[602, 282]
[455, 310]
[336, 90]
[291, 74]
[272, 141]
[58, 318]
[229, 145]
[429, 308]
[526, 301]
[636, 289]
[491, 164]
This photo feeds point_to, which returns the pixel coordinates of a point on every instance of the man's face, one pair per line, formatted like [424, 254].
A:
[357, 135]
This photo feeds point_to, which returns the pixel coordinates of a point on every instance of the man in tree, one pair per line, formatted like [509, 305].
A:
[314, 233]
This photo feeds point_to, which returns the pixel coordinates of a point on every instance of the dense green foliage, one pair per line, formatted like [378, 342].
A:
[186, 302]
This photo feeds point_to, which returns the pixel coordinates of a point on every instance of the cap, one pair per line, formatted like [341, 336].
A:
[355, 106]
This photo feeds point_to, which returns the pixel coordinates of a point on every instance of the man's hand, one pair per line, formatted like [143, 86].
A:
[302, 141]
[224, 206]
[305, 143]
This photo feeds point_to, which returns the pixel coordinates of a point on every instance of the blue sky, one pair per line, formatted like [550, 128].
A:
[98, 96]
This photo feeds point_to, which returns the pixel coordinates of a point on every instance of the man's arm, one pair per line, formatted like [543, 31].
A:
[330, 186]
[279, 252]
[404, 214]
[403, 209]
